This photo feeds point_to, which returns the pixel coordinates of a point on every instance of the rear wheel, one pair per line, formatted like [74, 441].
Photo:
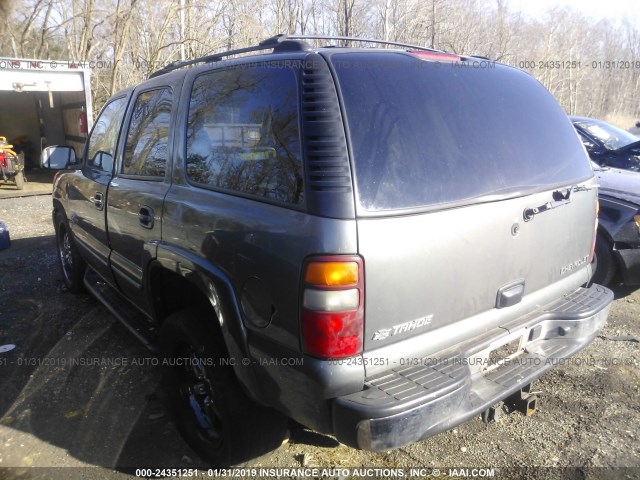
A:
[71, 263]
[605, 264]
[211, 411]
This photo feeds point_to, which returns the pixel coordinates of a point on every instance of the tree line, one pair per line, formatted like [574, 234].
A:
[592, 66]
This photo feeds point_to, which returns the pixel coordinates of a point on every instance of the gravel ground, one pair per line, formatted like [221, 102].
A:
[109, 417]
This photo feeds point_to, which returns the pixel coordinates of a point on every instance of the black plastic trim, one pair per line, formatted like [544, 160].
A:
[328, 179]
[407, 404]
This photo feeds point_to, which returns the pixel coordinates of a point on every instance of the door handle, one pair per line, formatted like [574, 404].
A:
[98, 200]
[146, 217]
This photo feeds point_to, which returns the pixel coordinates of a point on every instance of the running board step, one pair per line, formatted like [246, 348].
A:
[127, 314]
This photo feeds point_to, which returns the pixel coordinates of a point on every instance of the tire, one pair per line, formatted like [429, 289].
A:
[72, 265]
[605, 262]
[210, 409]
[19, 179]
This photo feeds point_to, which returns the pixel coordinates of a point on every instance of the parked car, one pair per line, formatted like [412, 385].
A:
[353, 237]
[618, 239]
[608, 145]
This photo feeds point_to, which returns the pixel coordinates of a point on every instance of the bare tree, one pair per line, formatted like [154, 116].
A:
[121, 22]
[590, 66]
[345, 17]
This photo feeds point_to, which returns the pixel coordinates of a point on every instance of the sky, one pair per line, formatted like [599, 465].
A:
[598, 9]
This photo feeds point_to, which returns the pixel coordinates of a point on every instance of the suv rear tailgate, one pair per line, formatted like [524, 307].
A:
[432, 270]
[447, 158]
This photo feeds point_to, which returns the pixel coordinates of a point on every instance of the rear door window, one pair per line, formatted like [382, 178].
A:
[429, 133]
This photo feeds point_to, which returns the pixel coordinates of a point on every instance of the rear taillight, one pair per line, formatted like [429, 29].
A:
[595, 234]
[332, 313]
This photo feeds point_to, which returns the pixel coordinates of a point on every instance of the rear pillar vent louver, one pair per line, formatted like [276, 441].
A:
[328, 174]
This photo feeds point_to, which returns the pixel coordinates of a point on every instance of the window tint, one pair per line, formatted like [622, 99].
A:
[147, 141]
[426, 133]
[243, 133]
[104, 136]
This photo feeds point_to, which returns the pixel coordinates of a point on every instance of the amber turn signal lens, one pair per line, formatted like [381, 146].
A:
[332, 274]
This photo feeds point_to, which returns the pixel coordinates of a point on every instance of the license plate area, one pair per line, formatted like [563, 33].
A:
[503, 355]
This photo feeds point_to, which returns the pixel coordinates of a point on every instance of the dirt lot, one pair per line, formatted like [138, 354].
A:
[55, 414]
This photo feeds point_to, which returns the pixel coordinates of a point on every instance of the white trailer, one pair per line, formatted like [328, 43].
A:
[44, 102]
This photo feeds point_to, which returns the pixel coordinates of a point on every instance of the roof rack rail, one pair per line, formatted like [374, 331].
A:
[366, 40]
[279, 42]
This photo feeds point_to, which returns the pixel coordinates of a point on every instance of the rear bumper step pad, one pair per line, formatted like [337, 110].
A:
[407, 404]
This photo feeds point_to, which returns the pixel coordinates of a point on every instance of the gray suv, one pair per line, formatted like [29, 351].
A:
[378, 243]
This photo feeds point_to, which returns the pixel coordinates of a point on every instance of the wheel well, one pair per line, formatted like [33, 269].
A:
[57, 208]
[171, 292]
[605, 234]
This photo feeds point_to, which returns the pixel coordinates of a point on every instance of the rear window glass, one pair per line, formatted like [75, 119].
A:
[427, 133]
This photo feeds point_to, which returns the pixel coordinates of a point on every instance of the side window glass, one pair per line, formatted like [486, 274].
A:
[145, 152]
[243, 133]
[104, 136]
